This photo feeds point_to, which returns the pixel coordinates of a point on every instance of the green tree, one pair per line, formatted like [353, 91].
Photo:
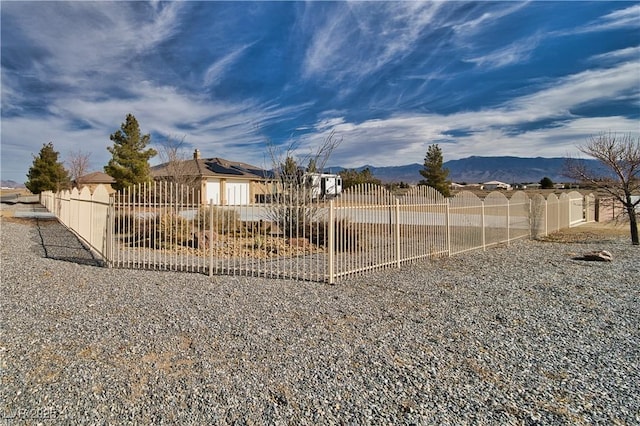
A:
[352, 178]
[312, 166]
[289, 172]
[47, 173]
[435, 175]
[546, 183]
[129, 164]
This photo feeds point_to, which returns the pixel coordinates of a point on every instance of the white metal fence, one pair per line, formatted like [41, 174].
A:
[292, 235]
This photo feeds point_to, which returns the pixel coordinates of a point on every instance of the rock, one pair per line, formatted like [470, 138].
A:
[200, 239]
[298, 242]
[600, 256]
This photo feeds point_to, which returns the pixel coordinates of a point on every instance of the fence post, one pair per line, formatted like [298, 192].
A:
[531, 219]
[109, 231]
[448, 228]
[483, 224]
[558, 223]
[546, 217]
[508, 222]
[397, 233]
[331, 242]
[211, 238]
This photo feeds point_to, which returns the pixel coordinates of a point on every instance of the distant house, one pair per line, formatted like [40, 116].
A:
[92, 180]
[494, 184]
[223, 181]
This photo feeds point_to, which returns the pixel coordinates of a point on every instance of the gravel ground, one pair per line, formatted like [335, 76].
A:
[515, 335]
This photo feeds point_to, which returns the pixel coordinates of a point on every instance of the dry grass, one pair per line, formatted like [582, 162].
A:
[590, 232]
[12, 191]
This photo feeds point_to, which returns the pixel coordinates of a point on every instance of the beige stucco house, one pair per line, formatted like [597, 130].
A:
[223, 181]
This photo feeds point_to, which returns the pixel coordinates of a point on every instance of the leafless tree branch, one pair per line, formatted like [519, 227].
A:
[620, 155]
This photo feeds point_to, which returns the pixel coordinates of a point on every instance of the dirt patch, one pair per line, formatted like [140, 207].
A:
[590, 232]
[9, 217]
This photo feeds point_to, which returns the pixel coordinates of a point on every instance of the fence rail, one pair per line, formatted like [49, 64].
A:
[293, 235]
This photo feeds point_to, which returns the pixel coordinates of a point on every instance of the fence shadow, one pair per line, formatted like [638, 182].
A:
[54, 241]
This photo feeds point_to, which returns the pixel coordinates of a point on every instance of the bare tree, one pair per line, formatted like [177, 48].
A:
[621, 157]
[78, 164]
[179, 168]
[285, 163]
[295, 210]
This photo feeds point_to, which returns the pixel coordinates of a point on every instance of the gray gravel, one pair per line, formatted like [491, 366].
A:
[514, 335]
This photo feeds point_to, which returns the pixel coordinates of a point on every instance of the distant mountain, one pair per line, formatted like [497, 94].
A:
[482, 169]
[11, 184]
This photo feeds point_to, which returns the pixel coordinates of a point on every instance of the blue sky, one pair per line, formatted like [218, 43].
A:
[389, 78]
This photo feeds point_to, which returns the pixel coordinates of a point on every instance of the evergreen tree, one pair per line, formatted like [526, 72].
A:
[130, 162]
[433, 172]
[546, 183]
[352, 178]
[290, 173]
[47, 173]
[312, 167]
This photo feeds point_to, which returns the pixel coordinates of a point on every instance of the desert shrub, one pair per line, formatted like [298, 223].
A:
[347, 237]
[143, 231]
[225, 221]
[257, 228]
[161, 231]
[173, 230]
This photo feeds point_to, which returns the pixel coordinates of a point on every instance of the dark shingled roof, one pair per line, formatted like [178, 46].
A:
[95, 177]
[211, 167]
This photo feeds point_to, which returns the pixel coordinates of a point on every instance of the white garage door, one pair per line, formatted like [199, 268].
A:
[237, 193]
[213, 192]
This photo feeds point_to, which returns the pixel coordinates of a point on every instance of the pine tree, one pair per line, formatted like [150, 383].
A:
[289, 172]
[433, 172]
[546, 183]
[47, 173]
[312, 167]
[129, 164]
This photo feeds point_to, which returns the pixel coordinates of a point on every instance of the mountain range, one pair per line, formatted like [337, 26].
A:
[11, 184]
[483, 169]
[468, 170]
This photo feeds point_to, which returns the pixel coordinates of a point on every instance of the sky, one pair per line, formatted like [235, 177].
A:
[241, 80]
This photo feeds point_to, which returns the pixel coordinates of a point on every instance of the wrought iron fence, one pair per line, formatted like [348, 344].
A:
[292, 234]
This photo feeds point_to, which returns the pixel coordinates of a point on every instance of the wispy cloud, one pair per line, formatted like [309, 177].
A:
[622, 18]
[628, 54]
[85, 45]
[471, 26]
[515, 53]
[217, 70]
[357, 39]
[489, 131]
[388, 77]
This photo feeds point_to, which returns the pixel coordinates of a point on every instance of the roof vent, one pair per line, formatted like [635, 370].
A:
[196, 154]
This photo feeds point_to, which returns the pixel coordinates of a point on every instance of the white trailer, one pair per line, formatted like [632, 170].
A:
[324, 185]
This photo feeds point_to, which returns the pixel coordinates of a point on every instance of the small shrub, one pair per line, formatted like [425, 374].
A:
[224, 221]
[173, 230]
[164, 231]
[347, 237]
[259, 243]
[143, 231]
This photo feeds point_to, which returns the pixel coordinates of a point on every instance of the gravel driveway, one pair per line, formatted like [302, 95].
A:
[515, 335]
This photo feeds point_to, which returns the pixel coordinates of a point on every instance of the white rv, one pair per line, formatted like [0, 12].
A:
[324, 185]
